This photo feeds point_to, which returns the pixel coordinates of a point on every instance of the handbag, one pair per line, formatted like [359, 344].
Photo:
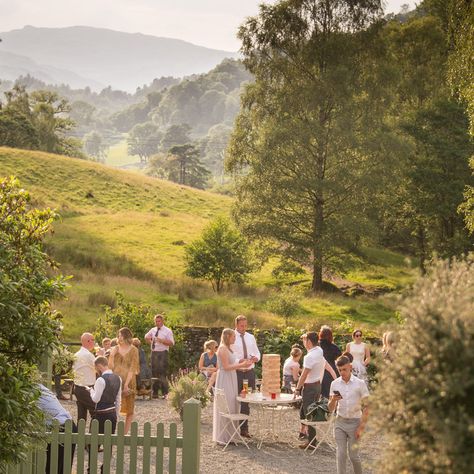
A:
[318, 411]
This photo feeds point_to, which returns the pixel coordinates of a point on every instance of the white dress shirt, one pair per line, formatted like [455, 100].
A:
[314, 361]
[162, 333]
[252, 349]
[83, 367]
[352, 394]
[98, 390]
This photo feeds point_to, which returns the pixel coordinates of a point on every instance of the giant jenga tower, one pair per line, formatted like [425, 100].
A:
[271, 381]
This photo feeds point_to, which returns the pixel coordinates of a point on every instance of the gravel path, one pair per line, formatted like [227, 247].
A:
[281, 457]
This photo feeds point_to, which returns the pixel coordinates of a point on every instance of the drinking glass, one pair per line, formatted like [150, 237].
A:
[245, 385]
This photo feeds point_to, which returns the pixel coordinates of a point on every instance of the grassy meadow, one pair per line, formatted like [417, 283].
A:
[120, 230]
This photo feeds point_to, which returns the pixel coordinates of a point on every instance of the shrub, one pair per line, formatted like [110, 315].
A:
[186, 386]
[424, 399]
[220, 256]
[28, 325]
[285, 303]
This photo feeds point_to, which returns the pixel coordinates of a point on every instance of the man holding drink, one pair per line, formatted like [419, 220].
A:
[245, 348]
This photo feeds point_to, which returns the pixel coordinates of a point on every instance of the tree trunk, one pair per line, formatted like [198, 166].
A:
[317, 283]
[421, 240]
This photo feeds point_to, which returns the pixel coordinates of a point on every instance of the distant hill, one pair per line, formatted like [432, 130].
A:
[122, 60]
[13, 66]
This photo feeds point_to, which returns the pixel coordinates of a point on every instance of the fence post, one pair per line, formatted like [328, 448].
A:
[191, 436]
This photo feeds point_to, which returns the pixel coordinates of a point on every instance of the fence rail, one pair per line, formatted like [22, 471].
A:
[134, 453]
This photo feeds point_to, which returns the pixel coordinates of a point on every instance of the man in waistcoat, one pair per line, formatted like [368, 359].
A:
[106, 394]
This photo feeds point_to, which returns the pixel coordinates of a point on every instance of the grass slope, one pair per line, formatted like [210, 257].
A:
[120, 230]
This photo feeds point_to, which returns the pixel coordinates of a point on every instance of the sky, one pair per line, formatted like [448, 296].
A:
[211, 23]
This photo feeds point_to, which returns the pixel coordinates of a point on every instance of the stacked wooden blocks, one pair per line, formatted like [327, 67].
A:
[271, 381]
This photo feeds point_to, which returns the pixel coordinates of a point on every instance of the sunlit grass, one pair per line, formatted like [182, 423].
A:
[122, 231]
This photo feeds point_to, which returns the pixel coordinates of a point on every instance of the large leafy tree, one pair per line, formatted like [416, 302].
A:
[28, 326]
[38, 120]
[305, 140]
[429, 160]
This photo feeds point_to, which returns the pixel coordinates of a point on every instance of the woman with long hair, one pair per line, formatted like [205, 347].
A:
[331, 353]
[227, 364]
[124, 361]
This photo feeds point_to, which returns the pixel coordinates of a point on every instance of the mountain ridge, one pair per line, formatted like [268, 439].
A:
[120, 59]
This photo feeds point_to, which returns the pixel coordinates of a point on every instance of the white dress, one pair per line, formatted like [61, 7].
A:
[358, 366]
[227, 381]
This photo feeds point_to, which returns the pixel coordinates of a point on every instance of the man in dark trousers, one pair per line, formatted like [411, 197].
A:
[106, 394]
[245, 347]
[84, 376]
[161, 339]
[309, 383]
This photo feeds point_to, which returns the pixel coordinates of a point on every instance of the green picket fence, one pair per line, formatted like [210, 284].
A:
[152, 452]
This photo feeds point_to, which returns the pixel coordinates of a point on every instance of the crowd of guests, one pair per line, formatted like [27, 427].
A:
[106, 384]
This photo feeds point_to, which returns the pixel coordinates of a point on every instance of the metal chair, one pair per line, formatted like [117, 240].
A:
[234, 421]
[325, 433]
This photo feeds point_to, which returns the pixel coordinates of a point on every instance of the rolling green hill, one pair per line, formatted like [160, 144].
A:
[120, 230]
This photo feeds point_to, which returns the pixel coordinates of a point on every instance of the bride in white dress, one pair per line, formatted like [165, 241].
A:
[227, 364]
[361, 354]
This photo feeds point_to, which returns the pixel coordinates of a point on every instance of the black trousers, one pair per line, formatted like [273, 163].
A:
[84, 403]
[60, 453]
[159, 370]
[103, 417]
[244, 407]
[311, 393]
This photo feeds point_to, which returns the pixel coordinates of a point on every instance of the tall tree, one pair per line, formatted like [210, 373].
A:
[94, 146]
[143, 140]
[185, 167]
[305, 140]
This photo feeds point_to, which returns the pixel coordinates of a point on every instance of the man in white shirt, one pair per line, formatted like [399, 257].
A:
[106, 394]
[350, 395]
[309, 383]
[161, 339]
[245, 348]
[84, 376]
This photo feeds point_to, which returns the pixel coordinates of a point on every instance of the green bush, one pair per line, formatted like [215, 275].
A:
[186, 386]
[424, 400]
[28, 325]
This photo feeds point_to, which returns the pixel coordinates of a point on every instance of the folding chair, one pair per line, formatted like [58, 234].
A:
[325, 434]
[234, 421]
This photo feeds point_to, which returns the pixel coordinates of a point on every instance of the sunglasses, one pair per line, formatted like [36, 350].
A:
[357, 335]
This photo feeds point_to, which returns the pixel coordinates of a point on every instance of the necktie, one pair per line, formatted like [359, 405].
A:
[156, 335]
[244, 346]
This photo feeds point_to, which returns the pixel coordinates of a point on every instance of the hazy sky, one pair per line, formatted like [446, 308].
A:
[211, 23]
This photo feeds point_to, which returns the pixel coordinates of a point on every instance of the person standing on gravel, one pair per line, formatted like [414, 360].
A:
[161, 339]
[245, 348]
[348, 396]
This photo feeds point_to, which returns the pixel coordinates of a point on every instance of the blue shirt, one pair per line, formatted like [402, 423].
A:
[50, 406]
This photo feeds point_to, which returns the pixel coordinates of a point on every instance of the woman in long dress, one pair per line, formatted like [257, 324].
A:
[227, 364]
[124, 361]
[361, 354]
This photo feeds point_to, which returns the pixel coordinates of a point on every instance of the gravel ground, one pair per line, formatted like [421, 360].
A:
[274, 457]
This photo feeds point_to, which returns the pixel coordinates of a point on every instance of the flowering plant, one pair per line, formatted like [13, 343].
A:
[188, 385]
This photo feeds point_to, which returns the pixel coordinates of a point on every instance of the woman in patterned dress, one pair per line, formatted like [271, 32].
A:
[124, 361]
